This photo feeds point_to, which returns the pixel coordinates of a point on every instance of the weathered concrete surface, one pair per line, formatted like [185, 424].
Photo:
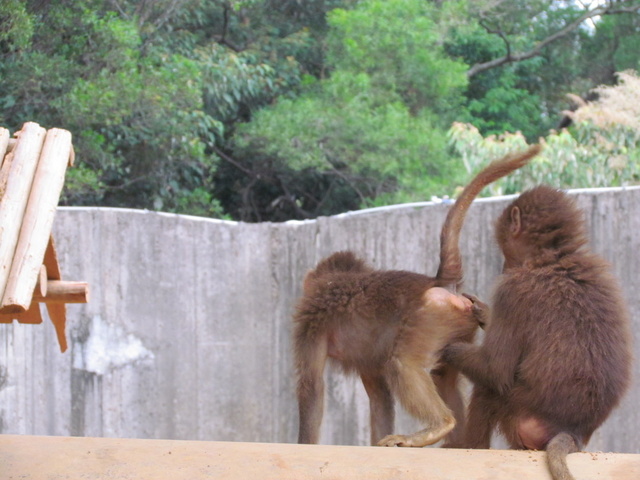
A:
[67, 458]
[187, 332]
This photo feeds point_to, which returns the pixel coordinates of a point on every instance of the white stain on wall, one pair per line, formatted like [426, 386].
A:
[108, 347]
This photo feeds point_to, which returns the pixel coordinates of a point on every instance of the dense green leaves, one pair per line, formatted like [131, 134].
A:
[397, 43]
[379, 121]
[16, 26]
[345, 127]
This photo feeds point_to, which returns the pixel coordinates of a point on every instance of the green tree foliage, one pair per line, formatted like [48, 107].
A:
[398, 45]
[534, 53]
[139, 127]
[16, 26]
[277, 109]
[375, 125]
[600, 149]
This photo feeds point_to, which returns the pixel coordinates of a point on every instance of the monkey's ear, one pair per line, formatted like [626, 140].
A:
[516, 223]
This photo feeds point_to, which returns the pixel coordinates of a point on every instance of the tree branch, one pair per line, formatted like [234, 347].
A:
[500, 33]
[227, 158]
[119, 8]
[223, 38]
[168, 10]
[608, 9]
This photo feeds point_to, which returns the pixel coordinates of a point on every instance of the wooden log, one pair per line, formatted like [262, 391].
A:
[42, 284]
[6, 159]
[4, 143]
[38, 219]
[9, 313]
[20, 172]
[66, 458]
[33, 315]
[4, 171]
[60, 291]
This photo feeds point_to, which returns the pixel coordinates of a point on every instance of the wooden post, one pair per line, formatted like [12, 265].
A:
[14, 198]
[38, 219]
[57, 311]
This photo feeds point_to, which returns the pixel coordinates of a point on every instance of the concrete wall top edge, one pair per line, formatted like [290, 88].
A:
[351, 213]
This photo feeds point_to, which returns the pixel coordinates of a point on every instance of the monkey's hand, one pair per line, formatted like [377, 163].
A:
[479, 309]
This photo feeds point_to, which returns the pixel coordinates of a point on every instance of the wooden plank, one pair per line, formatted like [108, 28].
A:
[51, 261]
[20, 171]
[38, 218]
[35, 458]
[58, 316]
[31, 316]
[57, 311]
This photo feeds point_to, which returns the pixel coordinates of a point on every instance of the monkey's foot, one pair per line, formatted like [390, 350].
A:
[419, 439]
[397, 441]
[416, 440]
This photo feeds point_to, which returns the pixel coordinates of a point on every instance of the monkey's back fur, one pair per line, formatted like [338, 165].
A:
[571, 320]
[367, 308]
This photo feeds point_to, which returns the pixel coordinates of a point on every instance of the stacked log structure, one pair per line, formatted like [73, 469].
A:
[34, 164]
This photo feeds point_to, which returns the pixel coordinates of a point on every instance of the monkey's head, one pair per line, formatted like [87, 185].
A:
[542, 223]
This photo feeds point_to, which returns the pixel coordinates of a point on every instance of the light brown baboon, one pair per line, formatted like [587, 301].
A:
[389, 327]
[556, 357]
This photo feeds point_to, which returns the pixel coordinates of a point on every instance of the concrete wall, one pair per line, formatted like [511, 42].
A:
[187, 335]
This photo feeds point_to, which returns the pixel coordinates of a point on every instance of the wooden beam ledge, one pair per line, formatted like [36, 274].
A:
[36, 457]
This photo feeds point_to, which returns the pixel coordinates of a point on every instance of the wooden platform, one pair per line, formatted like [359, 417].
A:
[34, 457]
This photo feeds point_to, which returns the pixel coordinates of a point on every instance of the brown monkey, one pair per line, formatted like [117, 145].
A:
[388, 327]
[556, 357]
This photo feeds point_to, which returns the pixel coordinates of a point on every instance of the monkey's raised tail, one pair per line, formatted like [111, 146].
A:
[557, 450]
[450, 270]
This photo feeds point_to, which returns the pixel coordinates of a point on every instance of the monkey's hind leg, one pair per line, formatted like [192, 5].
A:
[418, 395]
[446, 381]
[381, 411]
[310, 363]
[407, 374]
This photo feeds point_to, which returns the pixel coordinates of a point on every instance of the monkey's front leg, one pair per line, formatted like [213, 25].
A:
[495, 372]
[468, 359]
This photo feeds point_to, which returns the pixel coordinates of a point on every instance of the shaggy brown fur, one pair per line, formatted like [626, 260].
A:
[388, 327]
[556, 356]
